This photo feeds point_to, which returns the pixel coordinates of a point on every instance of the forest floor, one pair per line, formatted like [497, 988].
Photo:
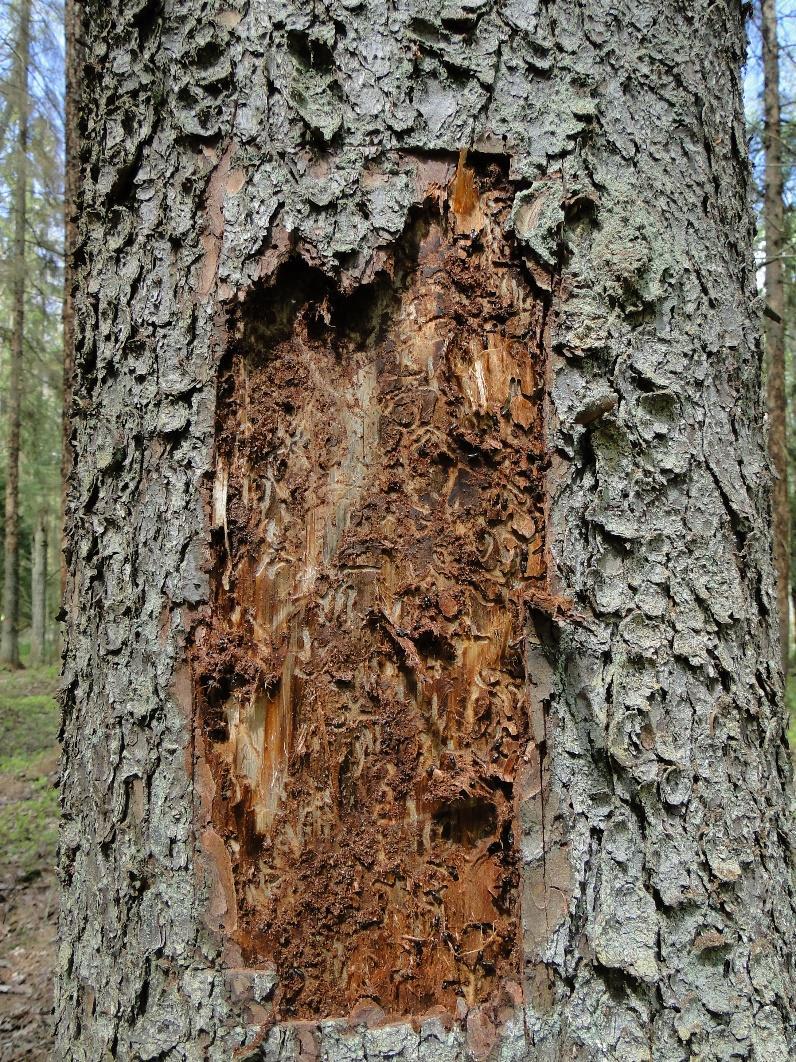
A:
[28, 838]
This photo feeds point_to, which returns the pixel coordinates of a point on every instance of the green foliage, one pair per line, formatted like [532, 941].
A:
[29, 828]
[28, 725]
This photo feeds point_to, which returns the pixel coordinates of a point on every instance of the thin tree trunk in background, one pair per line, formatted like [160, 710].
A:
[773, 220]
[421, 673]
[71, 176]
[38, 593]
[9, 645]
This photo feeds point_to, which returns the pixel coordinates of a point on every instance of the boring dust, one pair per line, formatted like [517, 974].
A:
[379, 516]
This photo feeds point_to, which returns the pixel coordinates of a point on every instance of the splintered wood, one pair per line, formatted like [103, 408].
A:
[378, 514]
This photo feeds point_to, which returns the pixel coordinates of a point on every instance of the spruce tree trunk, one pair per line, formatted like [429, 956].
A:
[423, 697]
[38, 593]
[774, 222]
[72, 53]
[9, 643]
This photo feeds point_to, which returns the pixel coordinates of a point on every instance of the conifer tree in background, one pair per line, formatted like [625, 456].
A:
[71, 175]
[9, 642]
[31, 352]
[774, 226]
[38, 592]
[43, 392]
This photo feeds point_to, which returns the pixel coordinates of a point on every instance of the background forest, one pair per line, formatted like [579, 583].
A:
[31, 328]
[32, 264]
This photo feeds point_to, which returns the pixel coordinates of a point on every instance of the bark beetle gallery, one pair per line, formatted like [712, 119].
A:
[378, 516]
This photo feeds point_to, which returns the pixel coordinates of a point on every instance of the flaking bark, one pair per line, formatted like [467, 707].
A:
[655, 869]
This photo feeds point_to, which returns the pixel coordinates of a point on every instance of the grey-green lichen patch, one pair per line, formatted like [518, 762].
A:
[314, 90]
[632, 255]
[537, 217]
[626, 928]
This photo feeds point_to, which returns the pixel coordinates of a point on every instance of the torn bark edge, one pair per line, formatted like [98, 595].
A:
[479, 1031]
[548, 875]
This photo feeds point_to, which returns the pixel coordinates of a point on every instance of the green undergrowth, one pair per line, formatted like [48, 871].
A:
[29, 829]
[28, 771]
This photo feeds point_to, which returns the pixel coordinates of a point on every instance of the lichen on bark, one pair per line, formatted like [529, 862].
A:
[653, 837]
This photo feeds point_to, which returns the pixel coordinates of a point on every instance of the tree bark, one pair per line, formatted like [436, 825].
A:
[38, 593]
[774, 222]
[421, 597]
[9, 643]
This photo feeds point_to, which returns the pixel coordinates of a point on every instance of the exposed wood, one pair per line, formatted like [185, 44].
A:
[379, 495]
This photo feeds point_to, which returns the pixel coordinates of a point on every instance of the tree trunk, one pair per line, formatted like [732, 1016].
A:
[422, 685]
[9, 643]
[38, 594]
[72, 64]
[773, 219]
